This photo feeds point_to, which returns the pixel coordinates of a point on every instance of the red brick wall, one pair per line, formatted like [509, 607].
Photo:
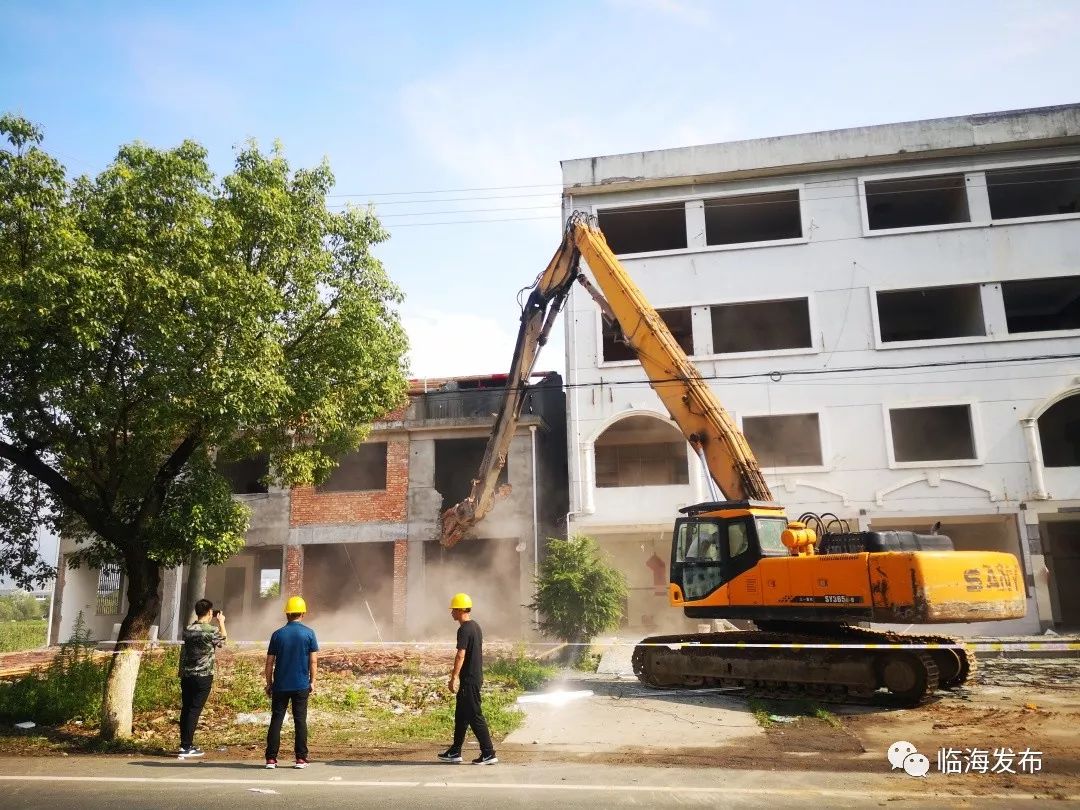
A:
[369, 506]
[401, 566]
[294, 571]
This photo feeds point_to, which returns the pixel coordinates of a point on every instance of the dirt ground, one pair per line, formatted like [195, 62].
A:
[1010, 704]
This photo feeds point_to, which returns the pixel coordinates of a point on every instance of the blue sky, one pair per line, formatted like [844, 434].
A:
[426, 96]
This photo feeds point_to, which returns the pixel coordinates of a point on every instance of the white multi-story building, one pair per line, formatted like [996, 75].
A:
[891, 314]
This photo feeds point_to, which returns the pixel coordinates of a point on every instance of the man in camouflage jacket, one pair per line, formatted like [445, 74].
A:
[201, 639]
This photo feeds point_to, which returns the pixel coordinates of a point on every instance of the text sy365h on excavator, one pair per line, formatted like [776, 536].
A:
[806, 584]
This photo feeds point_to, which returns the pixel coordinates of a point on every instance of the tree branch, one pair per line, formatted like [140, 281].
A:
[29, 462]
[154, 499]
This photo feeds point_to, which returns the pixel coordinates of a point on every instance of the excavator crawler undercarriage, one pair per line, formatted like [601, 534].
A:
[845, 669]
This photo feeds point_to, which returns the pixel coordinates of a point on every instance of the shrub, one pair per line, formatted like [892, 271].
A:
[578, 594]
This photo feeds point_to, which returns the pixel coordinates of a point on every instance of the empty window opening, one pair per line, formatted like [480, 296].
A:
[641, 451]
[761, 326]
[457, 462]
[912, 202]
[1030, 191]
[937, 433]
[935, 313]
[787, 440]
[753, 218]
[270, 583]
[678, 321]
[1042, 304]
[246, 476]
[108, 590]
[656, 226]
[1059, 433]
[363, 469]
[355, 587]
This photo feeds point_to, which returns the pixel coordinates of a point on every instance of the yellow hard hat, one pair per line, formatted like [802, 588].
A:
[296, 604]
[461, 601]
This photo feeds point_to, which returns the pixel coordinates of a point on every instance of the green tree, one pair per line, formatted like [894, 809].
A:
[20, 607]
[155, 321]
[578, 594]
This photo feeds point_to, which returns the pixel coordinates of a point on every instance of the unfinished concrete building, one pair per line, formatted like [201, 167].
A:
[363, 546]
[890, 313]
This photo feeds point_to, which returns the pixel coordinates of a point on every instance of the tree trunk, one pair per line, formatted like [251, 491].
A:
[196, 587]
[144, 603]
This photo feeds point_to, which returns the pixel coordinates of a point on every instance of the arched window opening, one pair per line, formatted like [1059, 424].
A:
[641, 451]
[1059, 433]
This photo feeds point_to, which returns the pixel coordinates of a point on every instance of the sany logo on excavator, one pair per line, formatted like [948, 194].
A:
[991, 578]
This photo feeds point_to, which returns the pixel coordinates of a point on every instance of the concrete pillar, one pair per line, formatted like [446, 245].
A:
[401, 567]
[414, 587]
[294, 571]
[170, 619]
[695, 223]
[701, 328]
[424, 503]
[1035, 459]
[588, 477]
[978, 197]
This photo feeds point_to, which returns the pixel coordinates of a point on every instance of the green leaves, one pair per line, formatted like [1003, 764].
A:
[151, 317]
[578, 594]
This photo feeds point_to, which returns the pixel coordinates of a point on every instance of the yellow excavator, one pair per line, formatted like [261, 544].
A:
[807, 584]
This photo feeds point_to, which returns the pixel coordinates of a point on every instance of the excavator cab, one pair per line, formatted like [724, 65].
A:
[717, 541]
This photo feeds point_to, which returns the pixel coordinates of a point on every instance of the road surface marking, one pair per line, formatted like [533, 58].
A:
[466, 785]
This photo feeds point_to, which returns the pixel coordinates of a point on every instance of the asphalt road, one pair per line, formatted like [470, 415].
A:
[119, 783]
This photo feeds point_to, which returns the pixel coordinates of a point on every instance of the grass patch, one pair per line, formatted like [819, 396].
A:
[589, 662]
[348, 709]
[22, 635]
[765, 711]
[521, 671]
[761, 713]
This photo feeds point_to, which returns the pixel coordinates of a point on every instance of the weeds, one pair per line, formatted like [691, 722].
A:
[240, 687]
[521, 671]
[589, 662]
[802, 707]
[69, 688]
[22, 635]
[761, 713]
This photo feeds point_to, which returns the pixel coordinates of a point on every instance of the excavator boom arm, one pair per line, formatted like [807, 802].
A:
[545, 300]
[687, 397]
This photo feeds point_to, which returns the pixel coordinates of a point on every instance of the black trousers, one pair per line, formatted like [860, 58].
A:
[279, 702]
[194, 689]
[468, 713]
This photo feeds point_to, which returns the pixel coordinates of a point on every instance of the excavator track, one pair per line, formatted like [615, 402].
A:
[843, 672]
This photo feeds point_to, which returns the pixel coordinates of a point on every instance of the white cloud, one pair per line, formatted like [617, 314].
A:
[452, 344]
[448, 344]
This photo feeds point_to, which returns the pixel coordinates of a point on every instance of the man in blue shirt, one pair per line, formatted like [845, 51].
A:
[291, 666]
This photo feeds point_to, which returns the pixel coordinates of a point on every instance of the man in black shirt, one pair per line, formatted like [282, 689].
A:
[466, 680]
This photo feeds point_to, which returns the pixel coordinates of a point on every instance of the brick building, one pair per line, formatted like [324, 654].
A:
[362, 547]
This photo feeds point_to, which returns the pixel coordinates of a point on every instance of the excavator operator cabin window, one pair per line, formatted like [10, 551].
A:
[738, 540]
[698, 541]
[769, 531]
